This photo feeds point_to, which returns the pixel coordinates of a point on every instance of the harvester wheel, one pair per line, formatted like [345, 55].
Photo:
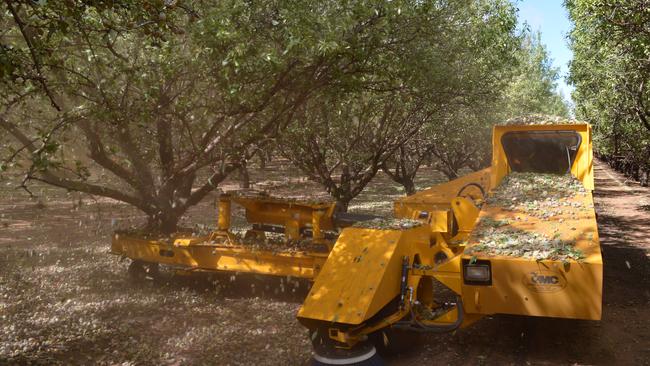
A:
[390, 341]
[140, 271]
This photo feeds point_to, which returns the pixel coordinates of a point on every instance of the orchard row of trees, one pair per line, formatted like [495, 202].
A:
[611, 73]
[154, 103]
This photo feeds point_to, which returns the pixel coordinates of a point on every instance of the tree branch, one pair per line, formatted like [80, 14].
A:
[32, 52]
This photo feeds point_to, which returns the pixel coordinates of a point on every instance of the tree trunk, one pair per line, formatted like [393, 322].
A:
[165, 222]
[262, 156]
[409, 185]
[342, 204]
[244, 177]
[403, 177]
[451, 175]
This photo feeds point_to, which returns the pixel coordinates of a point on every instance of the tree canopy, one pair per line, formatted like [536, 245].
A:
[155, 103]
[453, 56]
[610, 70]
[533, 89]
[166, 99]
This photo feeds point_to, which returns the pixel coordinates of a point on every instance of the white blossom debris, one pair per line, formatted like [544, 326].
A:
[388, 224]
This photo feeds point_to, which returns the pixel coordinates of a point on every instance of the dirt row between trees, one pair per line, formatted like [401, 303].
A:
[64, 300]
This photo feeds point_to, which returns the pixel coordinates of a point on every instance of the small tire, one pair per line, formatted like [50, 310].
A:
[390, 341]
[140, 271]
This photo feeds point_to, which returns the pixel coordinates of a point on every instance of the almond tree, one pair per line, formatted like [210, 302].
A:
[441, 57]
[610, 70]
[153, 103]
[484, 86]
[345, 139]
[462, 79]
[403, 165]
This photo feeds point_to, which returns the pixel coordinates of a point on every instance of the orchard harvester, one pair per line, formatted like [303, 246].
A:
[519, 237]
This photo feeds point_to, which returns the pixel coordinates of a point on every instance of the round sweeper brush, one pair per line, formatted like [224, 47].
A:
[363, 354]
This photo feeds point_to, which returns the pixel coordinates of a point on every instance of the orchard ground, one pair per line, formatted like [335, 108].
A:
[65, 300]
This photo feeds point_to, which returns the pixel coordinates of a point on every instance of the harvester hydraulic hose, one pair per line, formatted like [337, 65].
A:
[471, 184]
[402, 291]
[418, 326]
[568, 158]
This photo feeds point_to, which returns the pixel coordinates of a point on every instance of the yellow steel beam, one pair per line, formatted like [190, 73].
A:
[201, 255]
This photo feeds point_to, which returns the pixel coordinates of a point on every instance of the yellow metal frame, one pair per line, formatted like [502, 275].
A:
[358, 277]
[198, 254]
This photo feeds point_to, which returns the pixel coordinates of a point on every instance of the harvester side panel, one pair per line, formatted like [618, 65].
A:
[362, 274]
[525, 286]
[545, 288]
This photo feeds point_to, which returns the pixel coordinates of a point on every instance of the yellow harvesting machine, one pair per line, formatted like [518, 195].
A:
[519, 237]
